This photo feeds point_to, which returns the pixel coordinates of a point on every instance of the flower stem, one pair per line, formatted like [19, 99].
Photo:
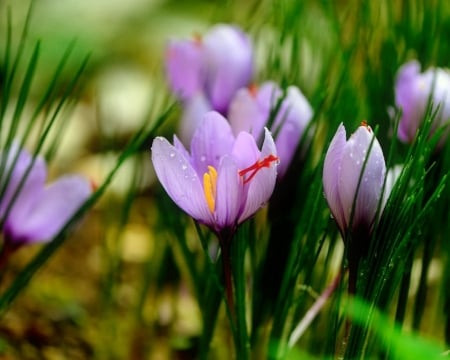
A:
[314, 310]
[228, 277]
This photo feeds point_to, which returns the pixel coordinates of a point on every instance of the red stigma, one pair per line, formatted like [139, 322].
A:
[364, 123]
[253, 90]
[93, 183]
[258, 165]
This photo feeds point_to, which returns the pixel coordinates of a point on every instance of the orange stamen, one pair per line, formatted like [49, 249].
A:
[258, 165]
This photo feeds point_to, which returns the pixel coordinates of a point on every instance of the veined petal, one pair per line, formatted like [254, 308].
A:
[260, 187]
[230, 197]
[370, 188]
[52, 208]
[229, 64]
[212, 139]
[331, 173]
[182, 55]
[180, 180]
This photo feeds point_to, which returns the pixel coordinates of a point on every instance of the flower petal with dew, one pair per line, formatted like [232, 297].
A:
[414, 90]
[32, 211]
[353, 178]
[251, 109]
[224, 179]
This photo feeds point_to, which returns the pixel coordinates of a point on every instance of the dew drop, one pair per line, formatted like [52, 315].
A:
[203, 158]
[172, 154]
[184, 167]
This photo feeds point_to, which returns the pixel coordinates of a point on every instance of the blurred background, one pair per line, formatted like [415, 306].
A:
[116, 289]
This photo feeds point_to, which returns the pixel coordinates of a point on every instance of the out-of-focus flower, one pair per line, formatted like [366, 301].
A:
[414, 90]
[251, 109]
[30, 211]
[224, 179]
[209, 68]
[344, 162]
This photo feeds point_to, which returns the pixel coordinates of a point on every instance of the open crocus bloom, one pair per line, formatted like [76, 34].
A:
[205, 72]
[218, 64]
[414, 90]
[250, 111]
[224, 179]
[342, 169]
[30, 211]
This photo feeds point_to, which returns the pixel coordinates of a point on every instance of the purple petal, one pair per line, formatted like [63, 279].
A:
[441, 96]
[51, 209]
[230, 197]
[245, 150]
[229, 64]
[411, 96]
[293, 121]
[35, 177]
[180, 180]
[244, 112]
[260, 187]
[212, 139]
[194, 110]
[372, 180]
[180, 56]
[331, 174]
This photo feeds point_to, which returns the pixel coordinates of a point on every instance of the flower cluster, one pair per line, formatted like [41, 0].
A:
[220, 69]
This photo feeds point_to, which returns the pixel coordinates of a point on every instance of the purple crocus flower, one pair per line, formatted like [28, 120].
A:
[30, 211]
[414, 90]
[208, 70]
[224, 179]
[251, 108]
[342, 169]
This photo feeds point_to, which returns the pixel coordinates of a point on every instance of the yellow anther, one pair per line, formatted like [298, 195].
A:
[209, 187]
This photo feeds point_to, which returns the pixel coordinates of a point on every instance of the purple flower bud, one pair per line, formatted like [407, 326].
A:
[224, 179]
[342, 169]
[217, 65]
[30, 211]
[414, 90]
[251, 108]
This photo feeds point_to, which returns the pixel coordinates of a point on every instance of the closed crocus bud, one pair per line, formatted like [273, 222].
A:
[414, 90]
[251, 109]
[353, 177]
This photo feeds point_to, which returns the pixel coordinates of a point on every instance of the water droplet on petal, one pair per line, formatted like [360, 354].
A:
[203, 158]
[172, 154]
[184, 167]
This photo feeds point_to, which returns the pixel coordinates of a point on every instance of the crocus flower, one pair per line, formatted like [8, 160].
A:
[414, 90]
[224, 179]
[342, 169]
[209, 70]
[251, 109]
[30, 211]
